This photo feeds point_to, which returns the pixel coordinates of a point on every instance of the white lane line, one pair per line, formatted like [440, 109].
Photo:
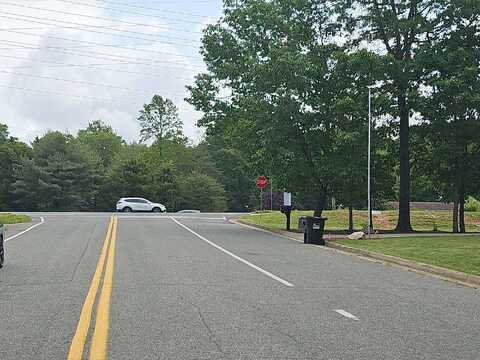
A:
[347, 314]
[269, 274]
[42, 220]
[163, 217]
[198, 217]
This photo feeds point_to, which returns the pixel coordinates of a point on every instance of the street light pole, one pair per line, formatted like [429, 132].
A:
[369, 159]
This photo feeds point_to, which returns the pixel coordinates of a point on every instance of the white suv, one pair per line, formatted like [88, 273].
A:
[139, 204]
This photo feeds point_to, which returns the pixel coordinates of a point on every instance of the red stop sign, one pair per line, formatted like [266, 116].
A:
[262, 182]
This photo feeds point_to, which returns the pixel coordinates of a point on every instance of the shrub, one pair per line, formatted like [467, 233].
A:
[472, 204]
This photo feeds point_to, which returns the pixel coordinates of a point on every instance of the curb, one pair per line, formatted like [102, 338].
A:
[452, 275]
[285, 233]
[282, 233]
[457, 277]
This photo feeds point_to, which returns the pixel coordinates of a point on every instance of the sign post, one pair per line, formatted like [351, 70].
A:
[262, 183]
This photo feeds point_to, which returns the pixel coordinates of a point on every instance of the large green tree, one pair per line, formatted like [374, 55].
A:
[62, 175]
[270, 57]
[450, 103]
[12, 153]
[397, 30]
[102, 140]
[159, 120]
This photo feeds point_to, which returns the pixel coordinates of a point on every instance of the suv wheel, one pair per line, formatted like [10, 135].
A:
[127, 209]
[156, 210]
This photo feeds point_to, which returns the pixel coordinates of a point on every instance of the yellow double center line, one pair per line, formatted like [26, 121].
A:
[98, 347]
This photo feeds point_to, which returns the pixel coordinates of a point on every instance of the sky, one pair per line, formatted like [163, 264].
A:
[64, 63]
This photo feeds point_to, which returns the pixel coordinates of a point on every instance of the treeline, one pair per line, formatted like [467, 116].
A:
[94, 168]
[288, 86]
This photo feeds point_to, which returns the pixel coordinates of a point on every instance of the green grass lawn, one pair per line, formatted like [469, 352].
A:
[422, 220]
[9, 218]
[461, 253]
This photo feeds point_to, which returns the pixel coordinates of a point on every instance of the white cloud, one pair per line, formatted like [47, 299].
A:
[32, 113]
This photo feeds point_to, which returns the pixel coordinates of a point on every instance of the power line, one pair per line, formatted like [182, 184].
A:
[69, 81]
[86, 16]
[102, 55]
[94, 31]
[91, 66]
[91, 43]
[151, 63]
[150, 8]
[129, 11]
[109, 26]
[99, 67]
[48, 92]
[62, 94]
[91, 26]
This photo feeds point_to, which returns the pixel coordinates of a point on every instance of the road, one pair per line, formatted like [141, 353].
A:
[82, 286]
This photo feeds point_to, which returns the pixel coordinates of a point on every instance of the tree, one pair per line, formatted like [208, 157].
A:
[12, 153]
[201, 192]
[159, 120]
[4, 134]
[128, 175]
[62, 175]
[398, 29]
[449, 104]
[277, 63]
[100, 139]
[351, 133]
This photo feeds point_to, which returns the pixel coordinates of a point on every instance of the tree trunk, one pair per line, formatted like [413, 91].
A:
[370, 214]
[455, 215]
[404, 196]
[461, 210]
[321, 199]
[350, 218]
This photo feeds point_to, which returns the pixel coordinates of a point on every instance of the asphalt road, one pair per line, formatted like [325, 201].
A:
[198, 287]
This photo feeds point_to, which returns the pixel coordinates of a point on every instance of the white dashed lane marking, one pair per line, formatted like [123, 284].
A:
[347, 314]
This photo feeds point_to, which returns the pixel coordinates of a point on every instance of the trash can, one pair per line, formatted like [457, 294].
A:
[314, 231]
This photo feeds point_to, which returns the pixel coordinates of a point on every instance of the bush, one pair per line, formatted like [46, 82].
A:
[472, 204]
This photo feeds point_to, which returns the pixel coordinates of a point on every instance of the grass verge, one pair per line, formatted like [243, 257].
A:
[461, 253]
[422, 220]
[10, 218]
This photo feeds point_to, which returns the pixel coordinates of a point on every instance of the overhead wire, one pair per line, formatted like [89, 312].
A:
[48, 92]
[90, 66]
[97, 26]
[129, 11]
[125, 4]
[88, 27]
[99, 55]
[82, 28]
[90, 98]
[88, 16]
[78, 82]
[91, 43]
[82, 25]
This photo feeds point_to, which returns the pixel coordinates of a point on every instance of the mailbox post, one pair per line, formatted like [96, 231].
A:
[286, 208]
